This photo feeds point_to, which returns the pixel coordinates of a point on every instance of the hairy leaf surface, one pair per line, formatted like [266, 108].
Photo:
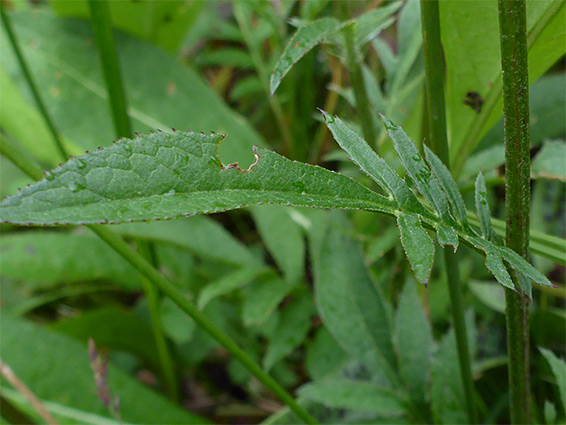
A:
[168, 175]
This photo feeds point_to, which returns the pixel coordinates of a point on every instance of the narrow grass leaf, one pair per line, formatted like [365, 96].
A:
[167, 175]
[413, 337]
[482, 207]
[493, 260]
[304, 39]
[370, 24]
[417, 244]
[357, 395]
[558, 367]
[372, 164]
[229, 283]
[523, 266]
[447, 236]
[448, 184]
[426, 182]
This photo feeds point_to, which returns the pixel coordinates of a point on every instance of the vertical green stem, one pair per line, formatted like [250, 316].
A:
[514, 65]
[363, 106]
[147, 249]
[34, 90]
[100, 13]
[438, 142]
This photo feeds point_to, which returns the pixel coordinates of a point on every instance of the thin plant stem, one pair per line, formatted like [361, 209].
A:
[100, 14]
[438, 142]
[363, 106]
[147, 249]
[22, 388]
[33, 88]
[158, 281]
[515, 76]
[101, 21]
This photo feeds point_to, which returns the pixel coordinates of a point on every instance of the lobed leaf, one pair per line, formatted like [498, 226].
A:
[426, 182]
[447, 236]
[304, 39]
[417, 244]
[447, 183]
[372, 164]
[522, 266]
[493, 260]
[168, 175]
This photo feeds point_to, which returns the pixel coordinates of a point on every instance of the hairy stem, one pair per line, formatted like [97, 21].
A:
[33, 88]
[514, 65]
[363, 106]
[100, 14]
[438, 142]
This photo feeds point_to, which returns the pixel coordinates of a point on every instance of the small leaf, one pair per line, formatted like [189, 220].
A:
[448, 184]
[283, 238]
[369, 25]
[176, 323]
[447, 236]
[549, 161]
[304, 39]
[262, 298]
[291, 331]
[373, 165]
[558, 367]
[482, 207]
[426, 182]
[417, 244]
[523, 266]
[167, 175]
[493, 260]
[357, 395]
[229, 283]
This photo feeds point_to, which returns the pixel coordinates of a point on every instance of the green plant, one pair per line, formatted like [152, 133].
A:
[368, 361]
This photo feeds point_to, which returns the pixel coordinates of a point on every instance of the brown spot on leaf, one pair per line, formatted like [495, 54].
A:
[171, 89]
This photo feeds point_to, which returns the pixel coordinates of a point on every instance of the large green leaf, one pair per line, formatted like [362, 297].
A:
[167, 175]
[473, 64]
[57, 369]
[447, 391]
[350, 304]
[413, 338]
[162, 93]
[58, 257]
